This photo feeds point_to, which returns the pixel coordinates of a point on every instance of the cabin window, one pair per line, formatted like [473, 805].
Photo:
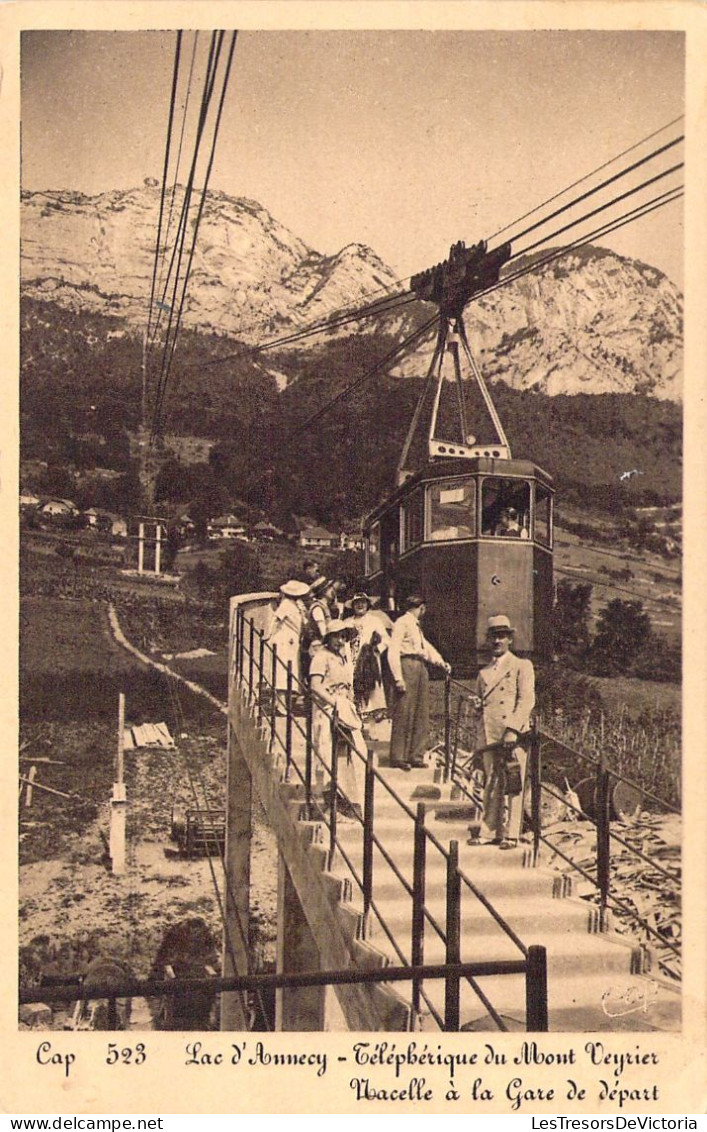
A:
[505, 507]
[543, 515]
[412, 521]
[452, 509]
[373, 549]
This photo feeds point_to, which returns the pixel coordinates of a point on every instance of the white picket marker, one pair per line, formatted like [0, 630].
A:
[119, 802]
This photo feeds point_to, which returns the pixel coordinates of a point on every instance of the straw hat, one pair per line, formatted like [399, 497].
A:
[358, 597]
[294, 588]
[339, 626]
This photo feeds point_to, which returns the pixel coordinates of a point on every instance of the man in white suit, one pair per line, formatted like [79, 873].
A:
[505, 688]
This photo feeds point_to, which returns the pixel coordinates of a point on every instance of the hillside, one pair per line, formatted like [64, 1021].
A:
[80, 394]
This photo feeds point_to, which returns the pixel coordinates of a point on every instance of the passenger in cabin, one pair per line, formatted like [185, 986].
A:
[505, 690]
[331, 679]
[409, 654]
[367, 649]
[285, 632]
[508, 525]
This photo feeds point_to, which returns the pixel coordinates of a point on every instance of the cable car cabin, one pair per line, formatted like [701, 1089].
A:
[474, 536]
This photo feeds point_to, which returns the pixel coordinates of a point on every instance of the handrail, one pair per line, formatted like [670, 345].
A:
[480, 896]
[245, 662]
[172, 988]
[632, 848]
[603, 824]
[467, 694]
[614, 773]
[343, 735]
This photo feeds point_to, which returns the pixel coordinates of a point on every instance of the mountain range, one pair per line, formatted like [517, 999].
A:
[590, 321]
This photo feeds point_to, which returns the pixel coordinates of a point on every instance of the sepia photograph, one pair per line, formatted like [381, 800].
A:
[351, 382]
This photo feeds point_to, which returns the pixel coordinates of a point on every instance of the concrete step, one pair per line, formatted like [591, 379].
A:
[522, 915]
[569, 952]
[621, 1003]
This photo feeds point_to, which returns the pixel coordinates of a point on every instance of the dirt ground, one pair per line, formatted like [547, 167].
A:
[72, 909]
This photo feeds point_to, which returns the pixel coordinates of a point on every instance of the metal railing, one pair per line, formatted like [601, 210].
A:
[273, 691]
[74, 989]
[601, 817]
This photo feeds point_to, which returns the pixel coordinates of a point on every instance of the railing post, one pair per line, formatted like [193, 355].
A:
[251, 660]
[235, 671]
[447, 726]
[273, 704]
[457, 727]
[453, 951]
[288, 722]
[243, 645]
[241, 641]
[418, 902]
[308, 751]
[368, 814]
[536, 1020]
[333, 786]
[602, 803]
[261, 667]
[535, 778]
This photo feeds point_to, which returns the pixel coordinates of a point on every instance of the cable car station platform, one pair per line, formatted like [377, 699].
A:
[493, 940]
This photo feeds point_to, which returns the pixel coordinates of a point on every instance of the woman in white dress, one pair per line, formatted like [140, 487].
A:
[367, 649]
[331, 678]
[285, 632]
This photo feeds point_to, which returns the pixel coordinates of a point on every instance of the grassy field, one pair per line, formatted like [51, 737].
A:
[632, 698]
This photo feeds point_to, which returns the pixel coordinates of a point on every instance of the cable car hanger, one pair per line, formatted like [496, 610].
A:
[451, 285]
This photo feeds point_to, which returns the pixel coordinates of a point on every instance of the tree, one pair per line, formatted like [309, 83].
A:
[55, 480]
[239, 571]
[571, 620]
[623, 635]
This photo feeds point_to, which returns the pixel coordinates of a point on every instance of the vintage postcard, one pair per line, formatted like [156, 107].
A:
[353, 503]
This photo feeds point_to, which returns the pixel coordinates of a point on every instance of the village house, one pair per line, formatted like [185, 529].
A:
[266, 532]
[317, 537]
[225, 526]
[63, 507]
[100, 520]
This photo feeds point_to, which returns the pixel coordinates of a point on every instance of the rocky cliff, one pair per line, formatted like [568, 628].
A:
[591, 321]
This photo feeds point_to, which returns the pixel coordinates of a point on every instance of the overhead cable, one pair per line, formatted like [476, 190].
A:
[175, 181]
[212, 64]
[200, 210]
[586, 177]
[597, 188]
[601, 208]
[172, 101]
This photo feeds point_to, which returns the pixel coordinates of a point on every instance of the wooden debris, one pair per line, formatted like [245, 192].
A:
[30, 781]
[38, 786]
[148, 735]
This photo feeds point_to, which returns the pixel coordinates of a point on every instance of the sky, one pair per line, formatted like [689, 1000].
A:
[406, 141]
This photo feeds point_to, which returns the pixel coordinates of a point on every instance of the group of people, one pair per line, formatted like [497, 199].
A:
[364, 666]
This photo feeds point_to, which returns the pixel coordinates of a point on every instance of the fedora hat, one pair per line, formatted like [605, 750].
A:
[499, 623]
[294, 588]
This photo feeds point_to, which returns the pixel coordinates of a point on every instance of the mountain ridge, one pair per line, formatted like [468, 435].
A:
[590, 321]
